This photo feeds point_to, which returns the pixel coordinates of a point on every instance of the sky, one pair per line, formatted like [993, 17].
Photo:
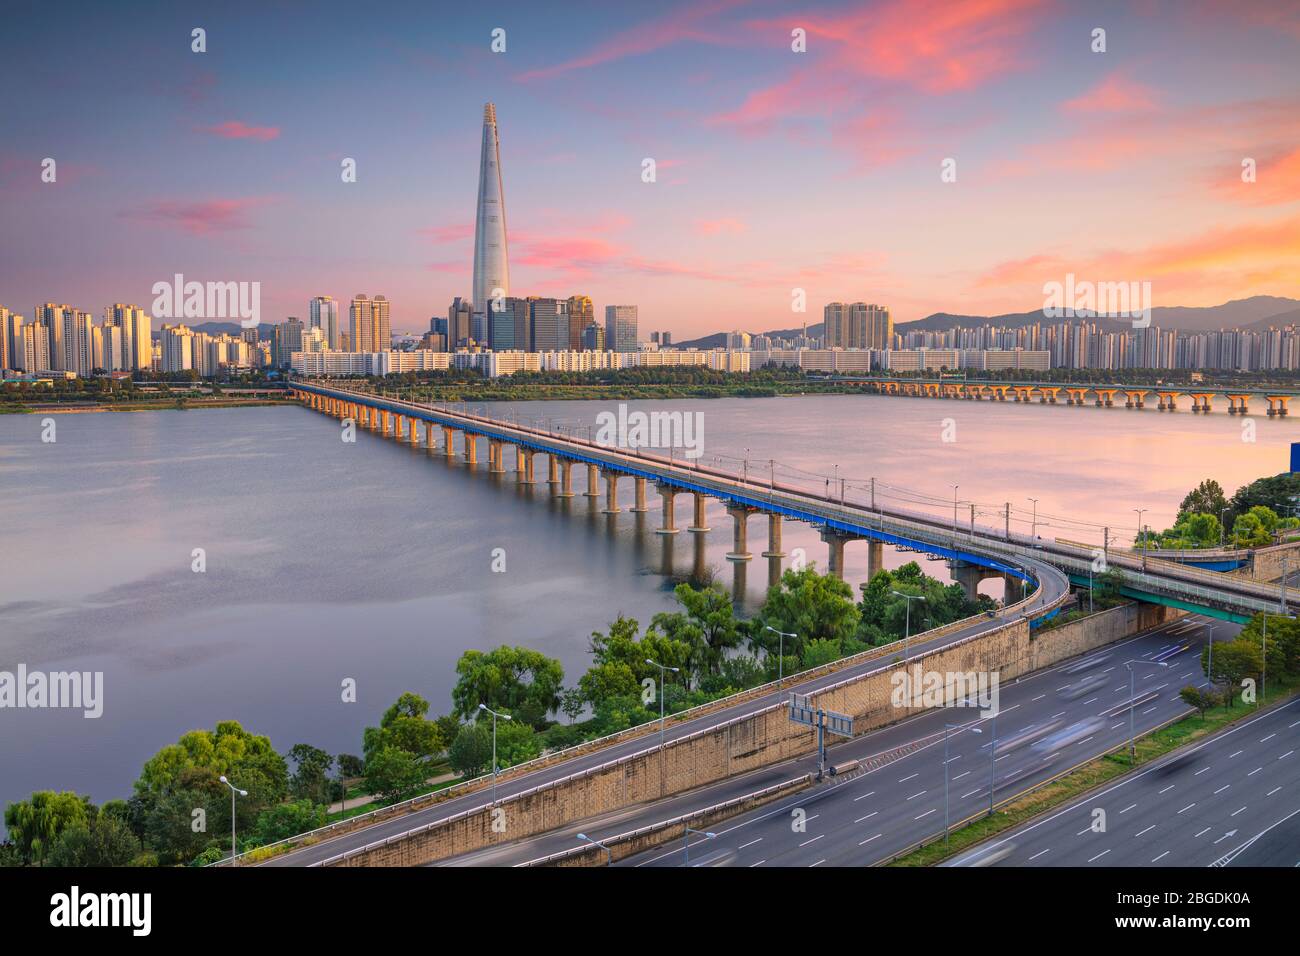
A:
[775, 170]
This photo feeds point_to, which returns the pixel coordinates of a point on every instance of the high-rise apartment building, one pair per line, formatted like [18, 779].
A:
[581, 314]
[620, 328]
[548, 323]
[323, 314]
[459, 331]
[491, 258]
[509, 325]
[856, 326]
[288, 339]
[370, 329]
[137, 340]
[593, 338]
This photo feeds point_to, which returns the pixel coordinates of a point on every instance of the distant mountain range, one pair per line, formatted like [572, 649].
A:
[1257, 312]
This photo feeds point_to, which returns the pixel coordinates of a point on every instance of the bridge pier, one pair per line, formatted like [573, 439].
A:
[448, 441]
[875, 558]
[611, 492]
[969, 577]
[413, 431]
[740, 543]
[773, 537]
[639, 484]
[471, 448]
[496, 456]
[399, 427]
[524, 465]
[835, 542]
[593, 482]
[698, 524]
[383, 422]
[553, 470]
[667, 493]
[566, 480]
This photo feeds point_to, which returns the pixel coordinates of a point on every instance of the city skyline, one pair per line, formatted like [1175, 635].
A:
[231, 169]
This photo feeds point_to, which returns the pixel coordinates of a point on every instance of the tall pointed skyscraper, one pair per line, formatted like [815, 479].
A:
[491, 263]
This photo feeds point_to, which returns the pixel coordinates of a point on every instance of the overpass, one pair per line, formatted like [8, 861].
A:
[1100, 394]
[972, 550]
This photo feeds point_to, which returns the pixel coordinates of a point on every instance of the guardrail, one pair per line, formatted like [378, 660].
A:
[719, 811]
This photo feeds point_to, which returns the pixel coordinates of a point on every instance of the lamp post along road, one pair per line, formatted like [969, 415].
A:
[780, 653]
[1132, 747]
[233, 791]
[907, 624]
[495, 715]
[662, 670]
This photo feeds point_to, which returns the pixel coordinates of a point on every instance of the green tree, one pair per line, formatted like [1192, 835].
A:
[1202, 700]
[621, 667]
[1206, 498]
[285, 820]
[310, 779]
[36, 823]
[820, 651]
[107, 841]
[517, 680]
[707, 625]
[392, 774]
[405, 727]
[811, 606]
[470, 754]
[1234, 662]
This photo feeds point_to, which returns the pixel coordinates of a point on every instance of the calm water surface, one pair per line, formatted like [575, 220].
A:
[372, 561]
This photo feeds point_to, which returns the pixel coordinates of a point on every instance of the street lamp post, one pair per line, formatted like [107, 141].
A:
[662, 670]
[954, 513]
[780, 653]
[609, 856]
[1033, 526]
[686, 841]
[1142, 533]
[1132, 748]
[495, 715]
[907, 623]
[233, 791]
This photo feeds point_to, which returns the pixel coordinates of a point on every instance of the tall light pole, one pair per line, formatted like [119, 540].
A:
[1033, 527]
[1132, 749]
[1209, 665]
[686, 838]
[1142, 533]
[993, 756]
[954, 513]
[780, 653]
[495, 715]
[609, 856]
[907, 624]
[662, 671]
[243, 793]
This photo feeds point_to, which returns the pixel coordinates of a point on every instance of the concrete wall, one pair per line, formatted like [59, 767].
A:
[744, 744]
[1268, 564]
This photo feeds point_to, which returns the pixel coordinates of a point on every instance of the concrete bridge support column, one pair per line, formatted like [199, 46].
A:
[413, 431]
[496, 456]
[969, 577]
[448, 441]
[471, 448]
[639, 484]
[399, 427]
[740, 542]
[428, 435]
[611, 492]
[875, 558]
[553, 470]
[698, 524]
[835, 541]
[773, 537]
[593, 482]
[383, 422]
[669, 526]
[565, 489]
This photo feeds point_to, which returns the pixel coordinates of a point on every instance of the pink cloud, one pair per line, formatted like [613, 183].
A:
[1115, 94]
[455, 232]
[201, 218]
[691, 22]
[236, 129]
[713, 227]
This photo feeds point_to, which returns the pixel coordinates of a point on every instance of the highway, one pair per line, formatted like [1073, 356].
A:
[859, 820]
[1054, 586]
[1230, 800]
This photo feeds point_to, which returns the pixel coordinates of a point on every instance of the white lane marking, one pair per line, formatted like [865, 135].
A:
[750, 843]
[1039, 853]
[1147, 830]
[1160, 857]
[1186, 808]
[1221, 789]
[915, 795]
[867, 817]
[813, 840]
[1128, 808]
[927, 813]
[869, 839]
[1099, 855]
[910, 777]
